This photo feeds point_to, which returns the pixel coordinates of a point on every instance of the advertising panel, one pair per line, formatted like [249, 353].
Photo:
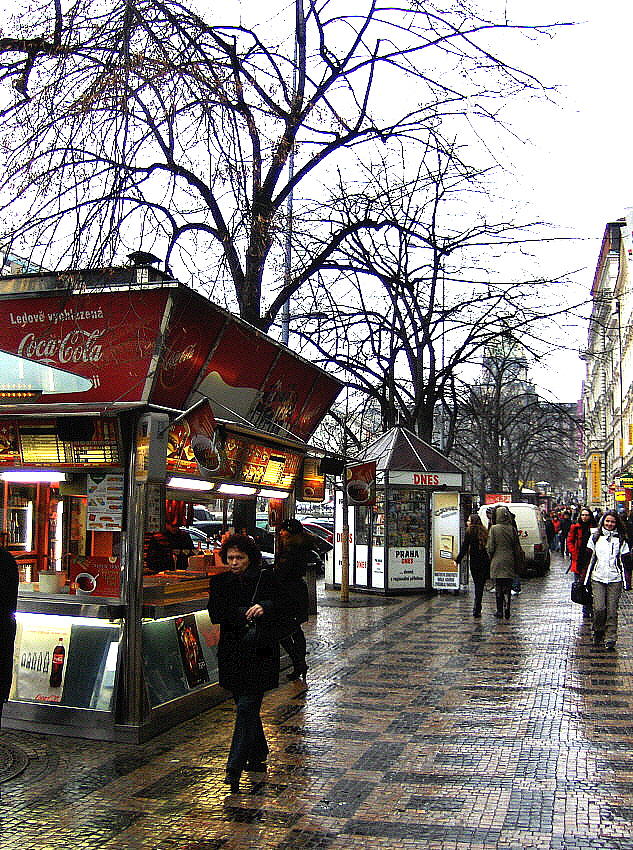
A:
[193, 330]
[338, 538]
[40, 662]
[312, 482]
[360, 563]
[378, 567]
[407, 568]
[95, 576]
[445, 541]
[85, 348]
[360, 483]
[243, 460]
[193, 660]
[249, 380]
[594, 476]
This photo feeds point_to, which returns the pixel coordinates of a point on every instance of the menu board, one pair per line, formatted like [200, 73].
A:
[38, 444]
[105, 501]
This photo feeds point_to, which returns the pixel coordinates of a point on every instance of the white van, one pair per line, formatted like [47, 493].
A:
[532, 534]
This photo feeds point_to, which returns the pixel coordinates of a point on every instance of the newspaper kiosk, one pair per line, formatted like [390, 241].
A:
[405, 536]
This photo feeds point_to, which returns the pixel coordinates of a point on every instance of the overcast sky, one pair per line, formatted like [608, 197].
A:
[576, 171]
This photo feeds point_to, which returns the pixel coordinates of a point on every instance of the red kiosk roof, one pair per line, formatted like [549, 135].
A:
[167, 346]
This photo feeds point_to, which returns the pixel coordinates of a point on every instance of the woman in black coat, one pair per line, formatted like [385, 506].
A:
[244, 601]
[8, 604]
[474, 545]
[291, 563]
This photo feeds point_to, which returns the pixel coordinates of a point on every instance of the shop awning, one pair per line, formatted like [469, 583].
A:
[101, 351]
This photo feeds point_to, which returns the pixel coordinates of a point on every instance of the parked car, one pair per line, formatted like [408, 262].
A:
[201, 513]
[532, 535]
[199, 536]
[211, 527]
[322, 529]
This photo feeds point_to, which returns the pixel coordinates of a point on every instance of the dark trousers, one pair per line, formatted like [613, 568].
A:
[479, 582]
[249, 742]
[295, 646]
[503, 586]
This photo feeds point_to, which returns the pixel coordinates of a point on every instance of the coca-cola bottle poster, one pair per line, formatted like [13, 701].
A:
[191, 651]
[40, 661]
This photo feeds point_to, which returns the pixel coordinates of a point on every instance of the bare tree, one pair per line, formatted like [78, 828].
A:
[508, 435]
[129, 121]
[403, 311]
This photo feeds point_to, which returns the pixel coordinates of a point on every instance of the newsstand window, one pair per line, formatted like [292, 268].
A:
[408, 517]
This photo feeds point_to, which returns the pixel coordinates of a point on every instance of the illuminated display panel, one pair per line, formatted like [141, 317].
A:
[244, 461]
[36, 444]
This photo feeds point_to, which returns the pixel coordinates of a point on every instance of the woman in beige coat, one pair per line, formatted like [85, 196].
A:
[503, 545]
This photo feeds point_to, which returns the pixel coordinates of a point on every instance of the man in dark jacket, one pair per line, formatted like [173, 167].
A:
[8, 603]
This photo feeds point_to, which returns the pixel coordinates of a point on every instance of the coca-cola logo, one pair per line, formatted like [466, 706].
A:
[181, 359]
[76, 346]
[175, 358]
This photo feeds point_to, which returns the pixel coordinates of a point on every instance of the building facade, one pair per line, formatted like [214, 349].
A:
[608, 387]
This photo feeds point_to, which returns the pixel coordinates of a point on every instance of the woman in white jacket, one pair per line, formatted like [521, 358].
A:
[606, 574]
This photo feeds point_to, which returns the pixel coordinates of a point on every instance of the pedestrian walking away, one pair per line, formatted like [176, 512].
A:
[606, 574]
[503, 548]
[245, 602]
[565, 525]
[291, 563]
[474, 546]
[580, 554]
[8, 603]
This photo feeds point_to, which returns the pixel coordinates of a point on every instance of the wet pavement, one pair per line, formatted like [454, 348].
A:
[420, 728]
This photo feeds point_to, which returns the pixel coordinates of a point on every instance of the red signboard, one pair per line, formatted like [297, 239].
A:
[167, 346]
[81, 348]
[494, 498]
[193, 330]
[95, 576]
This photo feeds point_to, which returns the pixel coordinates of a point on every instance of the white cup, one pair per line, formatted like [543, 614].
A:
[49, 581]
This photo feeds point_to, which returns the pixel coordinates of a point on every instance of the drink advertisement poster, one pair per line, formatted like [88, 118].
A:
[191, 653]
[95, 576]
[360, 483]
[105, 501]
[312, 481]
[206, 443]
[445, 537]
[40, 662]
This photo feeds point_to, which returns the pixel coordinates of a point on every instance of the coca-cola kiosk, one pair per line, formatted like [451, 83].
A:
[125, 395]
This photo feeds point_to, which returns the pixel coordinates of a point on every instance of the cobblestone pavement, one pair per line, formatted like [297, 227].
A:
[420, 728]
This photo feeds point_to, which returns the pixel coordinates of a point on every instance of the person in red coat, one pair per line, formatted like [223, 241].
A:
[577, 540]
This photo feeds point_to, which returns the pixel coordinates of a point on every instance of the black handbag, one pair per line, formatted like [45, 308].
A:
[581, 593]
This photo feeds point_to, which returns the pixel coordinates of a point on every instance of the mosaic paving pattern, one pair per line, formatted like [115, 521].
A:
[420, 728]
